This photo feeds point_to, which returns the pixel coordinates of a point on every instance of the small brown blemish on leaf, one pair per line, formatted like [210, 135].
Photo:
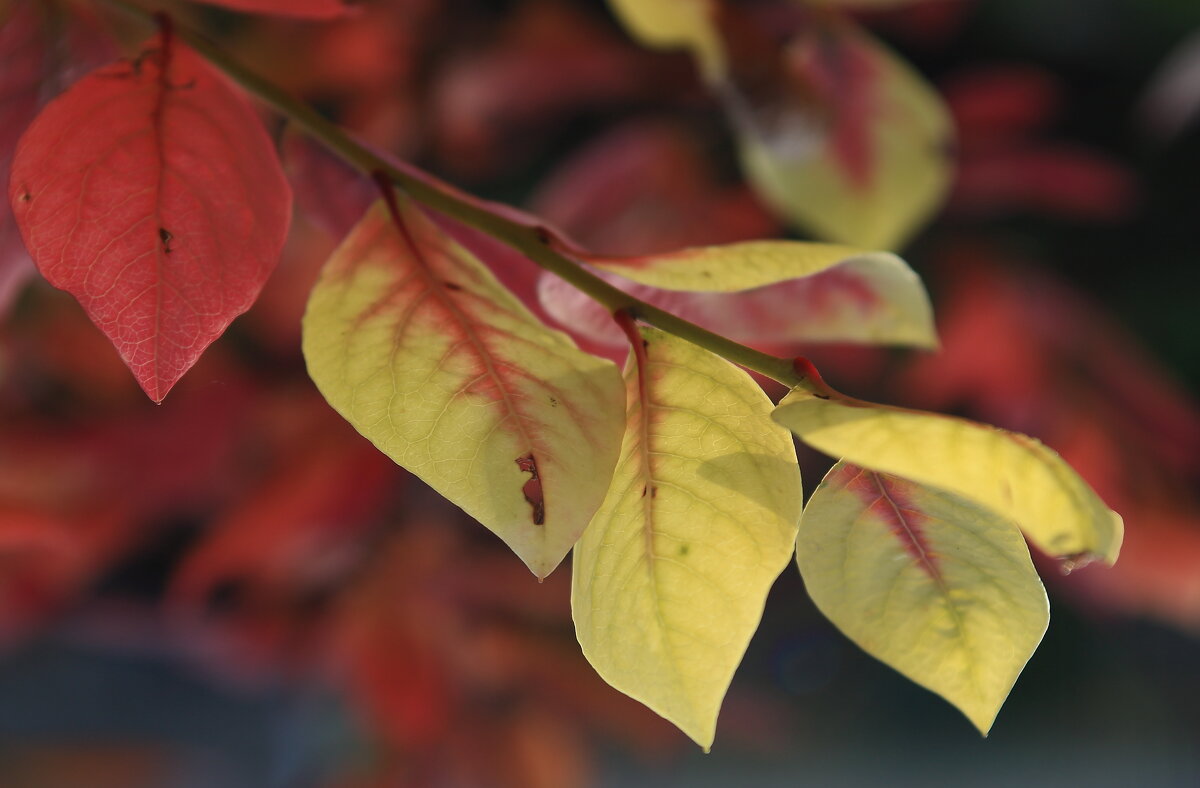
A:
[165, 236]
[684, 549]
[532, 489]
[25, 195]
[644, 488]
[653, 491]
[452, 286]
[821, 396]
[553, 402]
[543, 235]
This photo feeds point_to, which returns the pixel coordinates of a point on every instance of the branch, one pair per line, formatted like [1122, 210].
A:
[529, 241]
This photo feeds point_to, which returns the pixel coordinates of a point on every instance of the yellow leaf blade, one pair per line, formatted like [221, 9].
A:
[670, 578]
[846, 294]
[675, 24]
[1012, 474]
[866, 161]
[414, 342]
[929, 583]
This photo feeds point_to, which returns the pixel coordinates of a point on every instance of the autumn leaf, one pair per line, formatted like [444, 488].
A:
[670, 578]
[151, 192]
[416, 344]
[763, 291]
[1011, 474]
[836, 133]
[933, 585]
[853, 146]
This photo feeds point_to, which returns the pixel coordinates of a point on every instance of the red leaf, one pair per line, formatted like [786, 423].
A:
[303, 9]
[150, 191]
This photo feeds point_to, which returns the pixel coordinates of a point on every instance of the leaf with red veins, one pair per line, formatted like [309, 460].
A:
[938, 588]
[151, 192]
[670, 578]
[301, 9]
[415, 342]
[863, 298]
[1011, 474]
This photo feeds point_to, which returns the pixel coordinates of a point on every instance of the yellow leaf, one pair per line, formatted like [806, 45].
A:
[933, 585]
[414, 342]
[676, 24]
[670, 578]
[850, 295]
[1011, 474]
[859, 153]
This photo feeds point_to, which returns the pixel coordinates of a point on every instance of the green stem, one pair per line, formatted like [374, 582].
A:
[529, 241]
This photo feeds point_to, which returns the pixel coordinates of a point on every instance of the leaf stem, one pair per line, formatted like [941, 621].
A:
[532, 241]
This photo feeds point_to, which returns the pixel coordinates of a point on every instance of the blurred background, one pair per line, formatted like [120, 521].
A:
[234, 589]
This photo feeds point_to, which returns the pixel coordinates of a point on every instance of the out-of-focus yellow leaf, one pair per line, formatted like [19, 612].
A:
[670, 578]
[853, 145]
[1012, 474]
[676, 24]
[849, 295]
[416, 344]
[835, 132]
[935, 586]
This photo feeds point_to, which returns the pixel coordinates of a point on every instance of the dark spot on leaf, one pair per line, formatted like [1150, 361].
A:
[25, 195]
[165, 236]
[653, 491]
[646, 344]
[644, 491]
[684, 549]
[532, 489]
[820, 396]
[553, 402]
[452, 286]
[543, 235]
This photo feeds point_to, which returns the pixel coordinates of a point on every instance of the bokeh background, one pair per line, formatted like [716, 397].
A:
[234, 589]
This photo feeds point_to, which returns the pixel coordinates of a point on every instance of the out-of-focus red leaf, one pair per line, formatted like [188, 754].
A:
[1000, 102]
[1003, 165]
[151, 192]
[1060, 180]
[495, 106]
[22, 55]
[299, 528]
[302, 9]
[647, 187]
[43, 48]
[331, 194]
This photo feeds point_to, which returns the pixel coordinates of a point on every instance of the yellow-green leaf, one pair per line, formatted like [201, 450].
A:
[856, 148]
[670, 578]
[676, 24]
[1012, 474]
[848, 294]
[416, 344]
[741, 266]
[935, 586]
